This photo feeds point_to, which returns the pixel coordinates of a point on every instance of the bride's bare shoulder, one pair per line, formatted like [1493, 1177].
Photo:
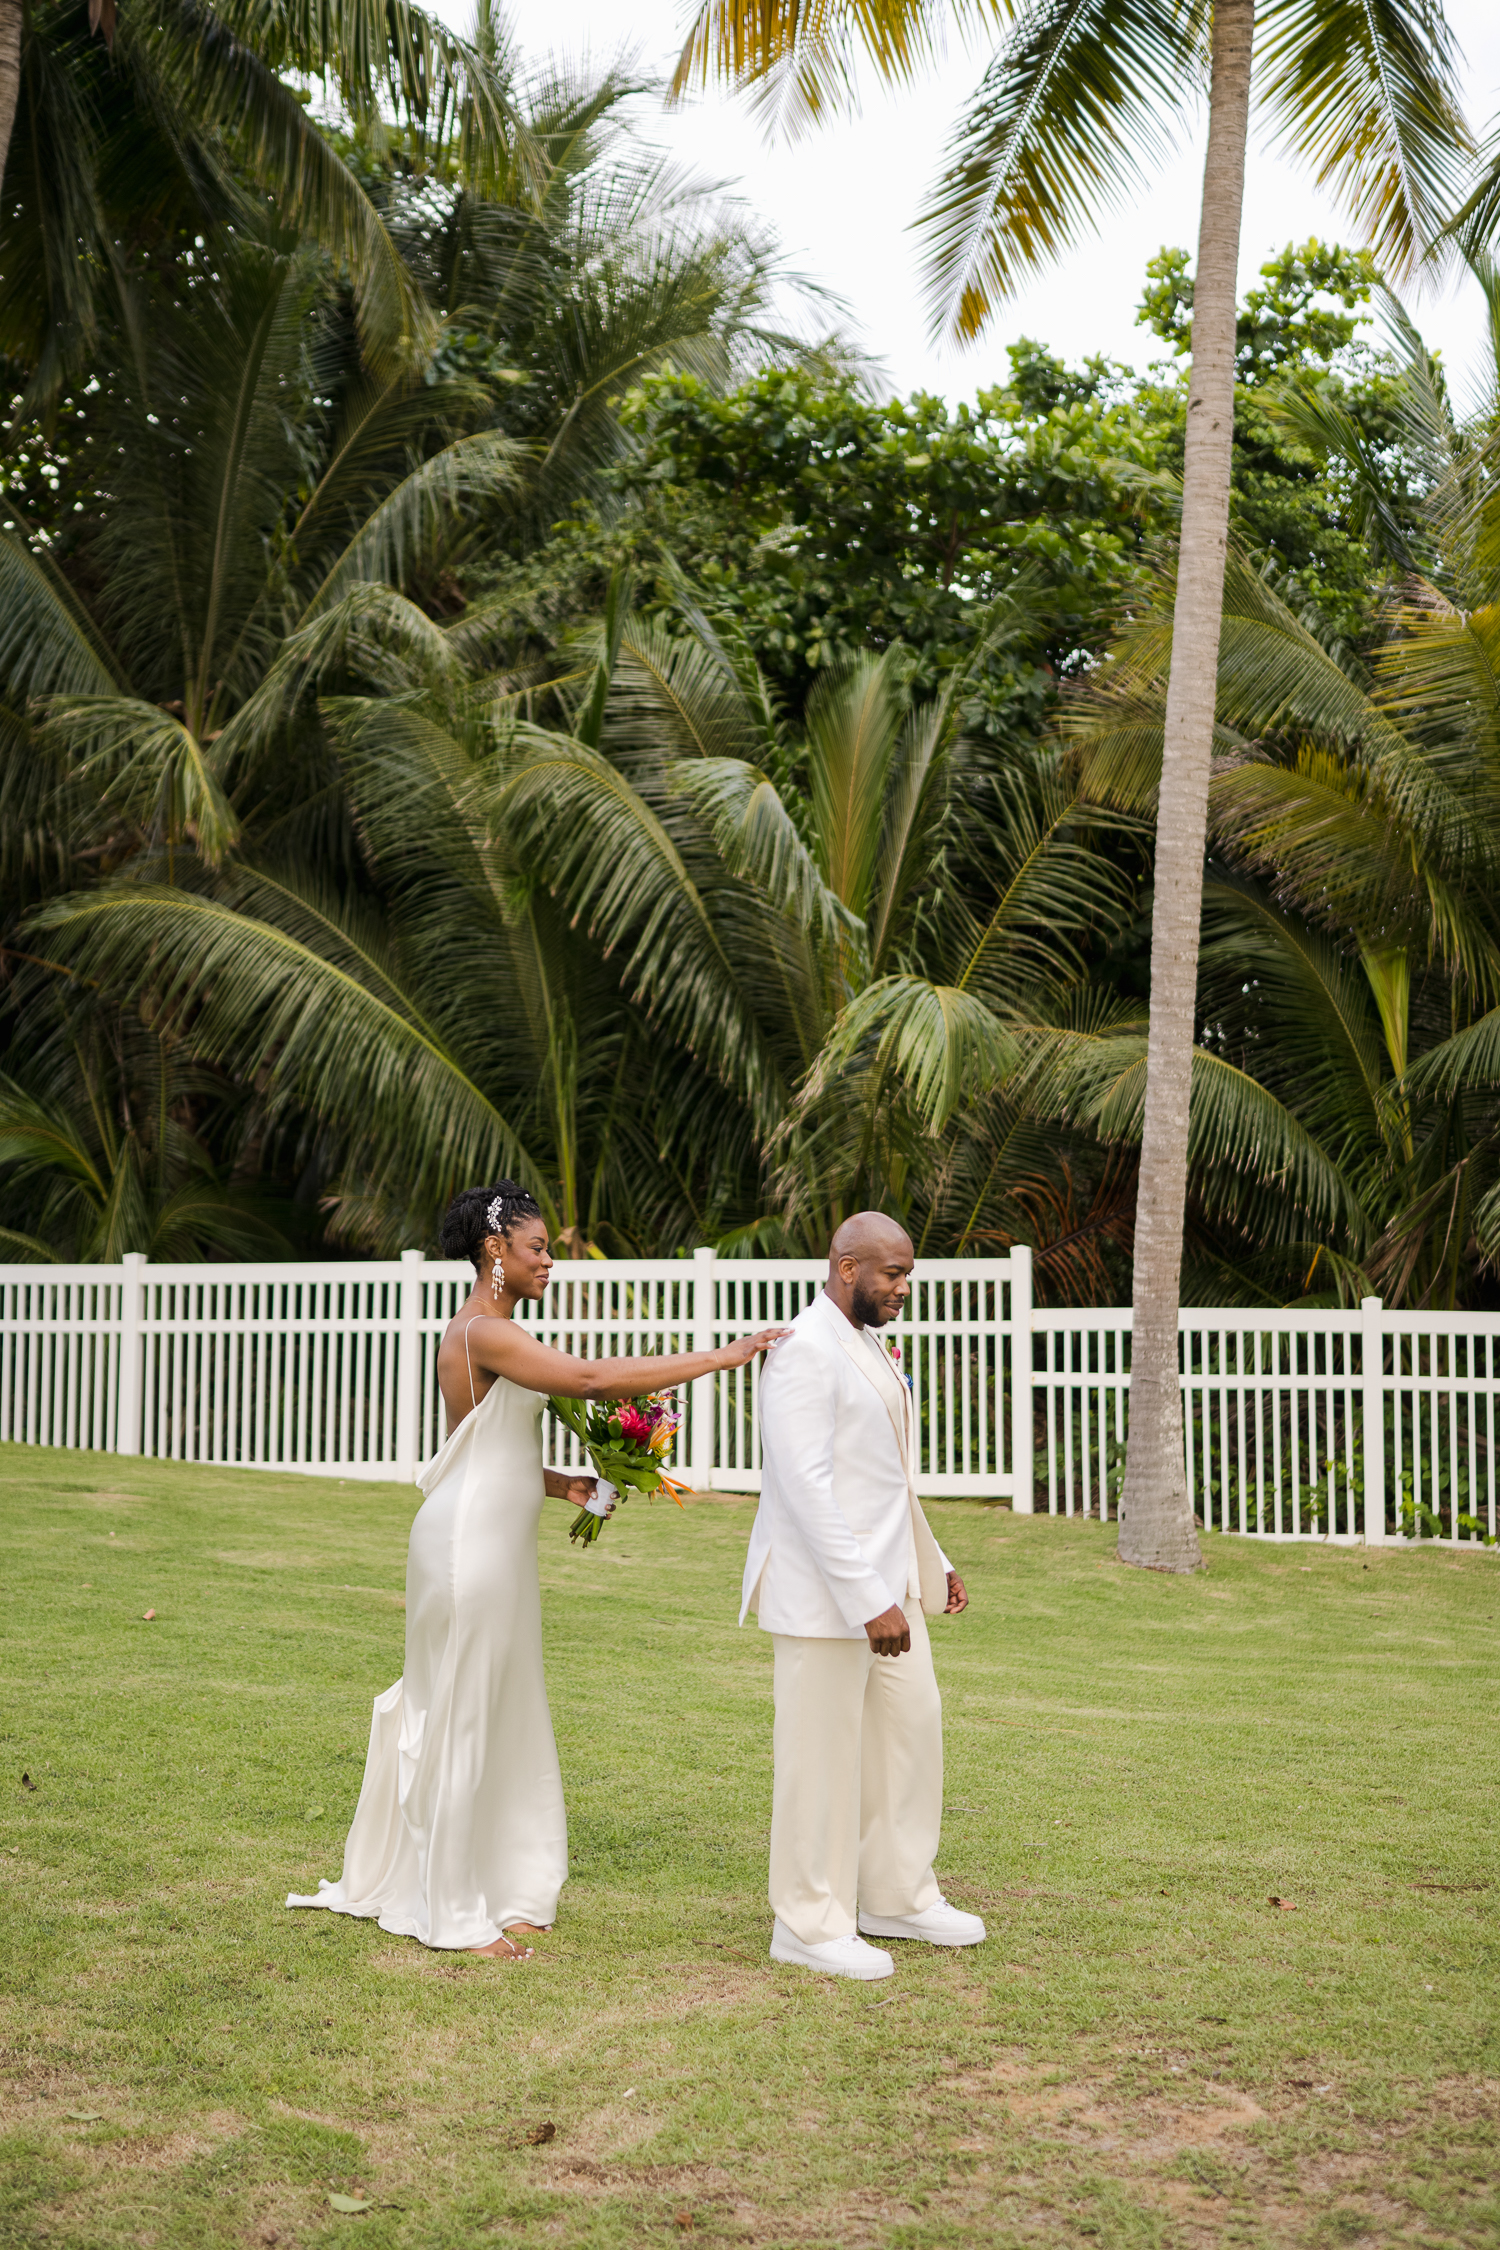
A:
[484, 1340]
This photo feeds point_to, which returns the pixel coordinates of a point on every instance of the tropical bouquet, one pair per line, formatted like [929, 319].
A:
[627, 1440]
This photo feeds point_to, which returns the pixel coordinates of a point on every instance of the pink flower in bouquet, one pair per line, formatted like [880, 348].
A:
[634, 1426]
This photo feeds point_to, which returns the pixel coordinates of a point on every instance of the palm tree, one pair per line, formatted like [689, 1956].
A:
[255, 517]
[137, 643]
[684, 971]
[102, 1148]
[180, 117]
[1353, 962]
[606, 951]
[585, 264]
[1076, 95]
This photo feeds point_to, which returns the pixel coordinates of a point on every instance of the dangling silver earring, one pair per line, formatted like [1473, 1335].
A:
[497, 1280]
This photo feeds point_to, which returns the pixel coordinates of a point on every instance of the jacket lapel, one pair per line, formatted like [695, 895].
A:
[903, 1421]
[858, 1348]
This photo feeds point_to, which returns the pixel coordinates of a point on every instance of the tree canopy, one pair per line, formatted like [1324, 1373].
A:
[610, 740]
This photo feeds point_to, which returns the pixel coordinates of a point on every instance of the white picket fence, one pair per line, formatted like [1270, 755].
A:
[1344, 1425]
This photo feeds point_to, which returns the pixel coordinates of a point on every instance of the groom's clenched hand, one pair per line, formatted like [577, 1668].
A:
[957, 1598]
[889, 1633]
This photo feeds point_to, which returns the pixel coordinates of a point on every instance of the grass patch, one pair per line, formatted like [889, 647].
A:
[1145, 2053]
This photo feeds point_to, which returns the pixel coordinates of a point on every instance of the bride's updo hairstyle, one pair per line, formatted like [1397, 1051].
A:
[476, 1213]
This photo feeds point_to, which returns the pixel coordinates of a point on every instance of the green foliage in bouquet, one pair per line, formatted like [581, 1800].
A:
[626, 1439]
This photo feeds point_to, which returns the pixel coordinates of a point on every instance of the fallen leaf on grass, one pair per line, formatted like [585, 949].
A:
[147, 1615]
[350, 2203]
[540, 2133]
[684, 2220]
[85, 2116]
[1287, 1905]
[27, 1782]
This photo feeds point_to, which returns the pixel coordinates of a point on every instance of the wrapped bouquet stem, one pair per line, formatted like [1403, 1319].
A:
[626, 1440]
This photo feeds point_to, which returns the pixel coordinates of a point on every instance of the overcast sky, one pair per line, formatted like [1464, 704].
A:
[843, 199]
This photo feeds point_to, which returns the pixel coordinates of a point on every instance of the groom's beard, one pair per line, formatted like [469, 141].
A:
[867, 1311]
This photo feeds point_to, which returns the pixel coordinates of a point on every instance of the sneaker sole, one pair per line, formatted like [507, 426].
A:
[885, 1930]
[824, 1969]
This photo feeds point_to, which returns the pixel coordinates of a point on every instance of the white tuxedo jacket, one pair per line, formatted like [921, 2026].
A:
[839, 1519]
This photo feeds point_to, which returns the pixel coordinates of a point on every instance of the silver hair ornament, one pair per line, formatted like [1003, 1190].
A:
[493, 1216]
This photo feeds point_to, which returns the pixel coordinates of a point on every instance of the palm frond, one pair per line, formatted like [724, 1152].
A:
[220, 73]
[801, 60]
[943, 1044]
[853, 725]
[454, 95]
[148, 763]
[568, 811]
[409, 526]
[1320, 419]
[28, 1249]
[372, 630]
[1367, 91]
[49, 644]
[270, 977]
[1469, 1059]
[759, 841]
[1475, 225]
[41, 1136]
[678, 698]
[1072, 103]
[1051, 888]
[1440, 677]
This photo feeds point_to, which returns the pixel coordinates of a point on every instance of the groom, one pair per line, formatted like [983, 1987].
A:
[844, 1571]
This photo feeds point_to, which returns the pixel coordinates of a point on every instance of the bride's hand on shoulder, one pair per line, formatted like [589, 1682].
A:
[746, 1347]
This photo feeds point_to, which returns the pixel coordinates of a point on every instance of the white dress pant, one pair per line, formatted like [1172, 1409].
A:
[857, 1800]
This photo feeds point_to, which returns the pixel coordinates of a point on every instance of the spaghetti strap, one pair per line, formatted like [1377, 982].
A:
[468, 1324]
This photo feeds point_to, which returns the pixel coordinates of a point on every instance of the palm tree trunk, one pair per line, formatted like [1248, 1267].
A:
[10, 73]
[1156, 1522]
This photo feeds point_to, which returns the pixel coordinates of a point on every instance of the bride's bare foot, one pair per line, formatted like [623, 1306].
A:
[505, 1947]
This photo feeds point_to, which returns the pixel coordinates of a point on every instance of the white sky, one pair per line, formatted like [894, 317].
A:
[843, 199]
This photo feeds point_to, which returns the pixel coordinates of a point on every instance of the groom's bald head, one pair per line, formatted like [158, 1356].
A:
[869, 1261]
[867, 1235]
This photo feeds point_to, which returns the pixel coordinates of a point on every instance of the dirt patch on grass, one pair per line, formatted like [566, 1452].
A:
[1216, 2158]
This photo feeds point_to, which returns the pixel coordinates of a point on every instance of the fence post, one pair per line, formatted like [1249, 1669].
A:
[409, 1366]
[1372, 1364]
[1023, 1489]
[701, 1435]
[132, 1352]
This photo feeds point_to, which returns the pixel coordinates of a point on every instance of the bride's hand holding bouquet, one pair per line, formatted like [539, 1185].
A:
[627, 1440]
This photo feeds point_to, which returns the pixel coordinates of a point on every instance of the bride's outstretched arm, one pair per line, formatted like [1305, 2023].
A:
[505, 1348]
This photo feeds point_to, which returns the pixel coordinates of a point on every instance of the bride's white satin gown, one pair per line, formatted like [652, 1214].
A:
[460, 1829]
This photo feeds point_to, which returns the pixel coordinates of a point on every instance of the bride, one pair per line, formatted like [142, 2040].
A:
[459, 1838]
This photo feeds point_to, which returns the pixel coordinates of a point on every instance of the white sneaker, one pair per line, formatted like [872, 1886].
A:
[839, 1957]
[939, 1924]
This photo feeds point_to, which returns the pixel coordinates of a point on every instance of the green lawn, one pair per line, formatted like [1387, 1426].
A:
[1146, 2051]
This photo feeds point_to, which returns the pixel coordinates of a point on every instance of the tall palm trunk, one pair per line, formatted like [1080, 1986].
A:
[1156, 1523]
[11, 12]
